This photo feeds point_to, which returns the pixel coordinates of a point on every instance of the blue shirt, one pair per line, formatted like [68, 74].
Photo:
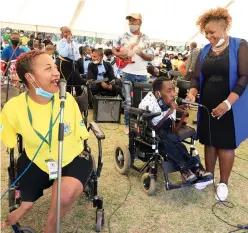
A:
[87, 61]
[101, 71]
[68, 50]
[7, 52]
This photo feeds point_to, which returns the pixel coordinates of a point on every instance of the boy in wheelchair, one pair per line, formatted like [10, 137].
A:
[162, 99]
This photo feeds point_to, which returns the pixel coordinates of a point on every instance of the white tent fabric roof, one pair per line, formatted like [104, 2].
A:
[164, 20]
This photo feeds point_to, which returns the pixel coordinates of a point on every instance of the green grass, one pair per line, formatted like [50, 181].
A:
[177, 211]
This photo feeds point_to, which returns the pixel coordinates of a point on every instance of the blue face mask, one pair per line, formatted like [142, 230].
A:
[39, 91]
[43, 93]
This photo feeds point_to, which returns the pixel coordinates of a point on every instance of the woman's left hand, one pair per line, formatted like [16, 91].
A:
[220, 110]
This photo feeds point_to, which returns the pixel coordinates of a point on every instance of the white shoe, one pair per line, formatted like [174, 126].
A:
[222, 192]
[203, 184]
[126, 129]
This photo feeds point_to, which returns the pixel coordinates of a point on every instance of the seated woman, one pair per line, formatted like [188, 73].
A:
[162, 99]
[32, 114]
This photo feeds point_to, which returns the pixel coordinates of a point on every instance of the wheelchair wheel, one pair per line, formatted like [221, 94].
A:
[149, 184]
[89, 188]
[122, 159]
[11, 195]
[99, 220]
[26, 230]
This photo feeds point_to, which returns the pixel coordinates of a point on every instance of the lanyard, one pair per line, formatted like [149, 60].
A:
[49, 142]
[15, 51]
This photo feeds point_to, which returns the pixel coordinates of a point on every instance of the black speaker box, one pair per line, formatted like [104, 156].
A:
[107, 109]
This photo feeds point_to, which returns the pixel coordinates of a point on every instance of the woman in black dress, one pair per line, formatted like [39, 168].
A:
[212, 77]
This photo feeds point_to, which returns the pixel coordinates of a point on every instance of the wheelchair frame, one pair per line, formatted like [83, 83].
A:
[91, 189]
[124, 157]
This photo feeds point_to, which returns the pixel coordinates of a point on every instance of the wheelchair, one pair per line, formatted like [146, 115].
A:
[91, 188]
[143, 145]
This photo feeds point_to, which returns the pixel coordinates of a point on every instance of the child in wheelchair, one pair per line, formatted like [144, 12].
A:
[162, 99]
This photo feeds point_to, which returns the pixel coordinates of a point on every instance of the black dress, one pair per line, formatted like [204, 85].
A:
[215, 89]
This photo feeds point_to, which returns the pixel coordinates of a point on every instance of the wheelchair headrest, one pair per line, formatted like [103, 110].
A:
[175, 73]
[139, 92]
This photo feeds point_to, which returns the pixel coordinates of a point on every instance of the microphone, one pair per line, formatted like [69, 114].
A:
[62, 88]
[181, 101]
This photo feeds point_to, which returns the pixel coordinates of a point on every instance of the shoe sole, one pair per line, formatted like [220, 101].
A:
[203, 185]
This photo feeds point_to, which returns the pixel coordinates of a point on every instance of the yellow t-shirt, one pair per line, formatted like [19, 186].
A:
[15, 120]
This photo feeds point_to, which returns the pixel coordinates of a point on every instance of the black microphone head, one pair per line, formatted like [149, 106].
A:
[179, 101]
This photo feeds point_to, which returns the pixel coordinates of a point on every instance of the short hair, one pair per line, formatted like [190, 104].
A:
[108, 52]
[15, 33]
[24, 63]
[150, 70]
[99, 51]
[194, 44]
[158, 82]
[214, 15]
[39, 33]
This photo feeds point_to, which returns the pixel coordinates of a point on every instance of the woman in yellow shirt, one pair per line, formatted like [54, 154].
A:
[32, 115]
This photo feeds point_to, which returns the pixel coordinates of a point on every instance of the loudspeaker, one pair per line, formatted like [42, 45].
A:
[140, 90]
[107, 109]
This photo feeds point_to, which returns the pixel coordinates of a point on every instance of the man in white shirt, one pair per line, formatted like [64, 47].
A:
[162, 99]
[130, 47]
[99, 45]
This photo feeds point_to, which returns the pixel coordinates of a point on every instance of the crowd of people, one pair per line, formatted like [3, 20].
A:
[218, 72]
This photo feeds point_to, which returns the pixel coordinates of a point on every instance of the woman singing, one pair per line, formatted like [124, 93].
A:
[32, 115]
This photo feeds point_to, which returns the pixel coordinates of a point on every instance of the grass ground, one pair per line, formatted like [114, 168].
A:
[177, 211]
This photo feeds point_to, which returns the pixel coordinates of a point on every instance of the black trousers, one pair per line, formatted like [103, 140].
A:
[97, 89]
[175, 150]
[71, 76]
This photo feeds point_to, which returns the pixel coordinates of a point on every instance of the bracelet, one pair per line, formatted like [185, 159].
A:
[228, 104]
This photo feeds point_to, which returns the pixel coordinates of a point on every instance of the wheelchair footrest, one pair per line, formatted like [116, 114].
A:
[168, 167]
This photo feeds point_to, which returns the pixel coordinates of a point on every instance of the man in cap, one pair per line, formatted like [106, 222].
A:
[130, 47]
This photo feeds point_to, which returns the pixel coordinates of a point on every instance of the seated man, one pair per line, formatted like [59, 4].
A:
[99, 69]
[162, 99]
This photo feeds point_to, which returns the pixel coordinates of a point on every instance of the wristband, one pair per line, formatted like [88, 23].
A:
[228, 104]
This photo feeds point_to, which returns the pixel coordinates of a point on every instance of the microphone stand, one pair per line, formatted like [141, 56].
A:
[6, 70]
[73, 65]
[60, 157]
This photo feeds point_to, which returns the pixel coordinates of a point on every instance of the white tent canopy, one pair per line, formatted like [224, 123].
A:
[163, 20]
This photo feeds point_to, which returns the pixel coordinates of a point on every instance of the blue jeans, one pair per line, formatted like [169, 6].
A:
[126, 88]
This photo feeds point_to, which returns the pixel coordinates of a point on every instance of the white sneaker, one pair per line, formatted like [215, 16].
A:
[222, 192]
[203, 184]
[126, 129]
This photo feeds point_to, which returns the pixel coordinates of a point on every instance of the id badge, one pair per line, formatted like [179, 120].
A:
[52, 169]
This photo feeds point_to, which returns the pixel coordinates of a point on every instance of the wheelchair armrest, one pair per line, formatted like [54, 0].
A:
[97, 131]
[148, 116]
[135, 111]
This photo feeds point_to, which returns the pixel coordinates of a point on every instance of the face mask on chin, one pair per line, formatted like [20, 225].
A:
[220, 42]
[95, 62]
[133, 28]
[39, 91]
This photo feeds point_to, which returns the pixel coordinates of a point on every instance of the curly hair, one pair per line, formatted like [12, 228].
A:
[24, 63]
[214, 15]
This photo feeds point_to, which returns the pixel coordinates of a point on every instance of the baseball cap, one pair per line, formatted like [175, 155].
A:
[135, 16]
